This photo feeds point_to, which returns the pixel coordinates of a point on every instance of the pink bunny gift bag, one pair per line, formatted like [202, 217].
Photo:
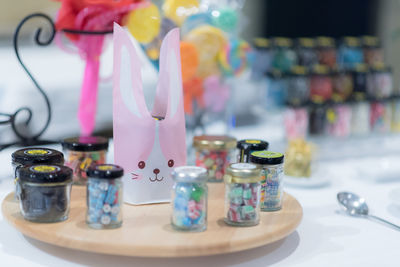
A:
[148, 145]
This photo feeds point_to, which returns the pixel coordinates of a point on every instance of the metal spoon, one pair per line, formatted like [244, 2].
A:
[356, 206]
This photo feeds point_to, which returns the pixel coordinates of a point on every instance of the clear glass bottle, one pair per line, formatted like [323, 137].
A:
[32, 156]
[215, 153]
[44, 192]
[104, 196]
[189, 199]
[242, 194]
[246, 146]
[272, 182]
[82, 152]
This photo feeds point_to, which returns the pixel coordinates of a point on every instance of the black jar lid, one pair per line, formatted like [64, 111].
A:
[252, 144]
[105, 171]
[85, 143]
[45, 174]
[266, 157]
[37, 155]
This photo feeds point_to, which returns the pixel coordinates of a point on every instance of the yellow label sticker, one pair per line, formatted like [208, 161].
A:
[44, 168]
[105, 167]
[253, 141]
[37, 152]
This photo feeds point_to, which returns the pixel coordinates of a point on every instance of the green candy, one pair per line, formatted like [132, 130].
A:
[236, 192]
[197, 193]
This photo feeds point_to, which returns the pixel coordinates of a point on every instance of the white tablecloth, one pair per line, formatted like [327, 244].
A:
[325, 237]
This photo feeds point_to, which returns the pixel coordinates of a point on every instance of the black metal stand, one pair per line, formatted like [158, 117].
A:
[24, 140]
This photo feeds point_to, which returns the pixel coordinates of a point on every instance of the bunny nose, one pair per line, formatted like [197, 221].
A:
[156, 171]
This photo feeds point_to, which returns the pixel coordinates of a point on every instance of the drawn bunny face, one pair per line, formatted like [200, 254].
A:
[154, 168]
[148, 149]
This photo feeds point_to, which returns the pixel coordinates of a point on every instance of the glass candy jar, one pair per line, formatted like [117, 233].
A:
[189, 199]
[214, 153]
[247, 146]
[35, 155]
[82, 152]
[44, 192]
[242, 194]
[104, 196]
[272, 184]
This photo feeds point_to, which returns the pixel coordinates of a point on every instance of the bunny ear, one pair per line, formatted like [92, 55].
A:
[170, 78]
[127, 74]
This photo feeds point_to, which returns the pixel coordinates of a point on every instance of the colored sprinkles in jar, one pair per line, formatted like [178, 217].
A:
[214, 153]
[272, 184]
[83, 152]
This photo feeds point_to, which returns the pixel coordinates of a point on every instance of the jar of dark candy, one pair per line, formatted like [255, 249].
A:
[189, 199]
[317, 119]
[298, 89]
[247, 146]
[104, 196]
[272, 182]
[242, 194]
[35, 155]
[215, 153]
[82, 152]
[306, 52]
[360, 81]
[44, 192]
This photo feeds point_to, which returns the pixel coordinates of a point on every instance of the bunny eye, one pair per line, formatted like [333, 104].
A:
[141, 164]
[171, 163]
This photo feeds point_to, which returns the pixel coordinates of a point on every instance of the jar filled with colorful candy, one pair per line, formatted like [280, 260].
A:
[189, 199]
[215, 153]
[44, 192]
[104, 196]
[82, 152]
[272, 184]
[242, 194]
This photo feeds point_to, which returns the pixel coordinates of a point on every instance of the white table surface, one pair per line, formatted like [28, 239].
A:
[325, 237]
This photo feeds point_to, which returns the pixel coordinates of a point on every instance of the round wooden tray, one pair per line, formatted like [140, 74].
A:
[146, 229]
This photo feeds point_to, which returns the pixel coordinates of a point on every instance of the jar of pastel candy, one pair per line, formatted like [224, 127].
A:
[35, 155]
[242, 194]
[272, 181]
[44, 192]
[215, 153]
[104, 196]
[247, 146]
[189, 199]
[82, 152]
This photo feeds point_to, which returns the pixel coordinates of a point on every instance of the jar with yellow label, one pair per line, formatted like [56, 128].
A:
[82, 152]
[215, 153]
[104, 196]
[35, 155]
[272, 184]
[247, 146]
[242, 194]
[44, 192]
